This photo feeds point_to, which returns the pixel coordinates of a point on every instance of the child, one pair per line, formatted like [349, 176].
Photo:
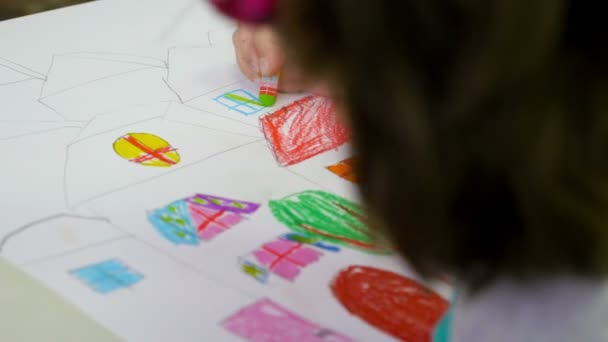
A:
[481, 129]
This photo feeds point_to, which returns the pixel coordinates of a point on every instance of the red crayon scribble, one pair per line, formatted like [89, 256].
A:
[150, 153]
[304, 129]
[390, 302]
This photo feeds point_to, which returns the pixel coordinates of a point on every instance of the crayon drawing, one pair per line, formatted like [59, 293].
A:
[390, 302]
[146, 149]
[303, 129]
[241, 101]
[266, 321]
[326, 217]
[199, 218]
[285, 257]
[345, 169]
[108, 276]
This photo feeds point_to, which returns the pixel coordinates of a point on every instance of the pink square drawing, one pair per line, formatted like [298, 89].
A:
[266, 321]
[286, 258]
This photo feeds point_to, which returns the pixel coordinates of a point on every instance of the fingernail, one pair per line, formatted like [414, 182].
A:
[265, 67]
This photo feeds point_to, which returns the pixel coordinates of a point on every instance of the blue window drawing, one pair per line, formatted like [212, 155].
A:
[173, 222]
[108, 276]
[241, 101]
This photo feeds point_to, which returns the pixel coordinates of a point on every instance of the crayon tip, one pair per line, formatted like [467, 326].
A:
[268, 100]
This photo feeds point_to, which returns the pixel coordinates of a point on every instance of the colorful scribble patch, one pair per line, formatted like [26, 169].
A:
[303, 129]
[326, 217]
[390, 302]
[108, 276]
[199, 218]
[285, 257]
[266, 321]
[146, 149]
[240, 101]
[345, 169]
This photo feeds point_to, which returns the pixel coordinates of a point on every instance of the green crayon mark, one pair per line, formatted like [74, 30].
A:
[251, 270]
[238, 205]
[267, 100]
[242, 99]
[319, 215]
[200, 201]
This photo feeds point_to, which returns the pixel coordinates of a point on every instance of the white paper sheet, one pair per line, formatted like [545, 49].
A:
[81, 89]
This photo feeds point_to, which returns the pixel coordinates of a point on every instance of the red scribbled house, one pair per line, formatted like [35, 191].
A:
[304, 129]
[371, 294]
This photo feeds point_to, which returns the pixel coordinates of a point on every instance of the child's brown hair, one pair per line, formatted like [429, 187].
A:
[481, 126]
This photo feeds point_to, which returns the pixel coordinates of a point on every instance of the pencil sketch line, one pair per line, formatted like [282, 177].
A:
[101, 53]
[28, 134]
[63, 118]
[202, 160]
[212, 91]
[27, 226]
[197, 271]
[173, 90]
[96, 80]
[48, 73]
[219, 116]
[18, 71]
[297, 174]
[21, 81]
[211, 128]
[119, 61]
[20, 122]
[73, 251]
[113, 129]
[167, 110]
[42, 77]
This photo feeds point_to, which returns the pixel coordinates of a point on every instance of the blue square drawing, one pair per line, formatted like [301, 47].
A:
[107, 276]
[240, 100]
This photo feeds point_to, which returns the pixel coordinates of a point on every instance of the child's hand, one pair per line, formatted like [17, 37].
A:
[259, 53]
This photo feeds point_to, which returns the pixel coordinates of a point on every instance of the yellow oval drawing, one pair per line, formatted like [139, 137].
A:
[146, 149]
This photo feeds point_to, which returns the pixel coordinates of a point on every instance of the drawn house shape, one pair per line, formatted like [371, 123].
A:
[285, 257]
[200, 218]
[303, 129]
[212, 215]
[241, 101]
[83, 85]
[265, 320]
[107, 276]
[327, 217]
[19, 93]
[345, 169]
[11, 73]
[174, 223]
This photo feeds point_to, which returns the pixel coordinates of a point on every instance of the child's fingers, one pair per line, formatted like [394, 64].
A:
[246, 55]
[268, 50]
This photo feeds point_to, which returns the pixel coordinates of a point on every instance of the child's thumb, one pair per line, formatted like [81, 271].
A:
[268, 48]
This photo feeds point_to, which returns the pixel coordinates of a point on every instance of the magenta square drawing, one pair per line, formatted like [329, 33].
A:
[266, 321]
